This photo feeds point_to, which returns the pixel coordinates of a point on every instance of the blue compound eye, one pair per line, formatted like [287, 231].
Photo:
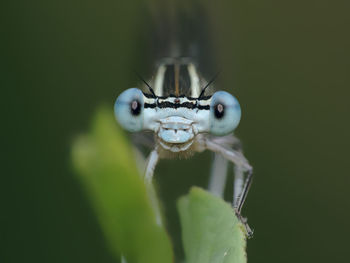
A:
[225, 113]
[128, 110]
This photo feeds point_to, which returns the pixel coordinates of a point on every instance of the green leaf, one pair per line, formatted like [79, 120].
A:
[211, 232]
[105, 163]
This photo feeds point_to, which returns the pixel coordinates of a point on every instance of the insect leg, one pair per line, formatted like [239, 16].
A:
[153, 159]
[151, 165]
[240, 161]
[142, 142]
[229, 141]
[218, 175]
[238, 183]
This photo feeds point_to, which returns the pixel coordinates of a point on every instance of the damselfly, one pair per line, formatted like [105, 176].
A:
[185, 120]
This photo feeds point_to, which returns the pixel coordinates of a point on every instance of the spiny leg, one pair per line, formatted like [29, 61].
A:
[243, 196]
[238, 183]
[240, 161]
[240, 201]
[218, 175]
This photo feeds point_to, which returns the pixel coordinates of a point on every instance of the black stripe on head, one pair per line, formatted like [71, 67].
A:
[167, 104]
[150, 96]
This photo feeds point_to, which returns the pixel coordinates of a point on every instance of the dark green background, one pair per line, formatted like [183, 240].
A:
[287, 62]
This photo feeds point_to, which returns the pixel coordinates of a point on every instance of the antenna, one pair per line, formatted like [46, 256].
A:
[144, 81]
[208, 84]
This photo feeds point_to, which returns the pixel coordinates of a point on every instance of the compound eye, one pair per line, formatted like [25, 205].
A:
[225, 113]
[128, 109]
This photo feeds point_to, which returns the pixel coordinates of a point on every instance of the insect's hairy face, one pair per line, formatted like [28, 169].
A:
[177, 120]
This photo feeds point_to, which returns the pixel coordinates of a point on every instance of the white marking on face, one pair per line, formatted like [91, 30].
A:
[158, 82]
[176, 128]
[195, 88]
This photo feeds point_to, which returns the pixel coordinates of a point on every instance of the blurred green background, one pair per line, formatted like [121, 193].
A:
[286, 61]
